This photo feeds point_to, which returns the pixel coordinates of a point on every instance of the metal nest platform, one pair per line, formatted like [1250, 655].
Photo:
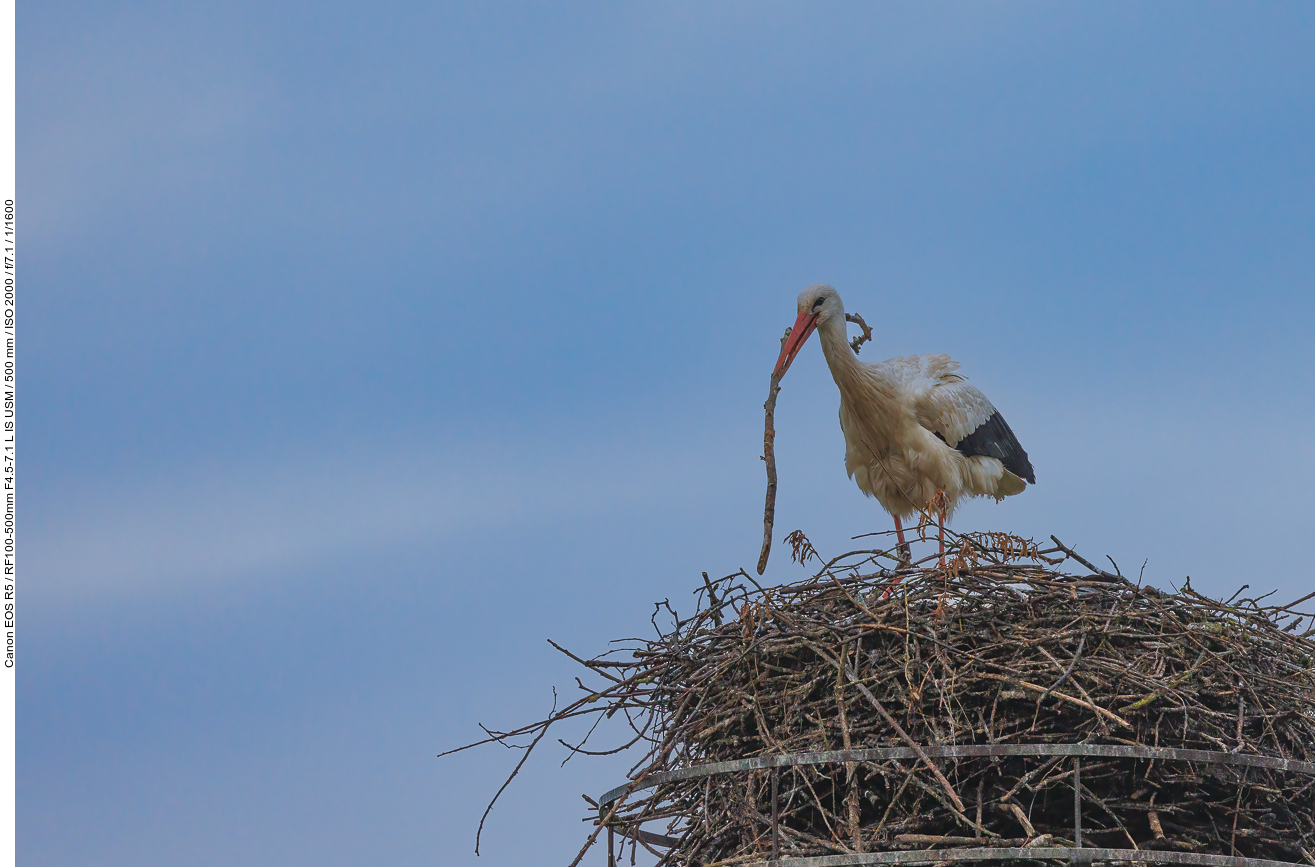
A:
[1037, 848]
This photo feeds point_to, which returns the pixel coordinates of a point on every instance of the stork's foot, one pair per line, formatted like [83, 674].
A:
[902, 569]
[905, 557]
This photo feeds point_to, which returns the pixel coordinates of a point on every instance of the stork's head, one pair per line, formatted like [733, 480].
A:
[818, 303]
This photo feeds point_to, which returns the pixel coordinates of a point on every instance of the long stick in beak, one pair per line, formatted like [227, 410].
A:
[803, 326]
[790, 345]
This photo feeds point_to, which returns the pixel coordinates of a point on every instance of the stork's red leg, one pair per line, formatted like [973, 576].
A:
[940, 534]
[903, 549]
[905, 557]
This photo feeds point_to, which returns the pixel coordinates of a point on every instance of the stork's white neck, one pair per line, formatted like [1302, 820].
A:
[864, 387]
[839, 354]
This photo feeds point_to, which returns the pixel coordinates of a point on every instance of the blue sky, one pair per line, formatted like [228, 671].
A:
[364, 351]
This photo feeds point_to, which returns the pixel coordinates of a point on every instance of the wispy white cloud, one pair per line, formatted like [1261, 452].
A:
[237, 522]
[133, 114]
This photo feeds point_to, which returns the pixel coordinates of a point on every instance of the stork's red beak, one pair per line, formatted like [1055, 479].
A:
[803, 326]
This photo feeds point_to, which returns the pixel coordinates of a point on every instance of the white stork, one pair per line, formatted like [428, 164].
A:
[917, 436]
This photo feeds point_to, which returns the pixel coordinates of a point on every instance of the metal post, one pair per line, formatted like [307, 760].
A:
[611, 854]
[1077, 803]
[776, 837]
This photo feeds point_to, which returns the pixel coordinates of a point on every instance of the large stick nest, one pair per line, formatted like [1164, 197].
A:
[995, 647]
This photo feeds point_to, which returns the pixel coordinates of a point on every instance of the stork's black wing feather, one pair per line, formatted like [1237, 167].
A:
[994, 439]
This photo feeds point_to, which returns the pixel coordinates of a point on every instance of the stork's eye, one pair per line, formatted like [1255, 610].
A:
[818, 303]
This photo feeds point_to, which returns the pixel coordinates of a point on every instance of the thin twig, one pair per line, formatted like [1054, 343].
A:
[1076, 656]
[862, 338]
